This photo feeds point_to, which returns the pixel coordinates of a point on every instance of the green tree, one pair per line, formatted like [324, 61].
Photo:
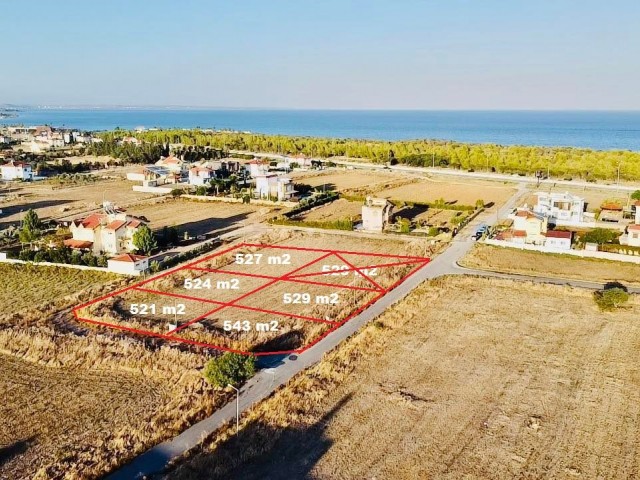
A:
[31, 227]
[600, 236]
[230, 368]
[144, 240]
[176, 192]
[636, 195]
[610, 298]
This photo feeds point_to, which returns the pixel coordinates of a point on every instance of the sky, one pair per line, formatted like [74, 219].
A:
[330, 54]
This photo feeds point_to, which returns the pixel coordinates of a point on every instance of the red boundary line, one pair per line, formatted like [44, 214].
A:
[421, 261]
[366, 277]
[231, 305]
[294, 278]
[347, 252]
[380, 265]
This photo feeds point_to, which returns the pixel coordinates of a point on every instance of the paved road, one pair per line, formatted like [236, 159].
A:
[284, 368]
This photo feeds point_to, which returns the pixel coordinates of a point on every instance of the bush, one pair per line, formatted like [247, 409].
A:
[610, 299]
[600, 236]
[230, 368]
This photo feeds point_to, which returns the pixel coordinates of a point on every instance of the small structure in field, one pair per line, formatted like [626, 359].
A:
[376, 214]
[128, 264]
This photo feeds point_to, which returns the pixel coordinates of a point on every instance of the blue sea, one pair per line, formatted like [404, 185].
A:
[592, 129]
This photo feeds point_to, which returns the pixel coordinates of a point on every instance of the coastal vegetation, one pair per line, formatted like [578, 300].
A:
[564, 162]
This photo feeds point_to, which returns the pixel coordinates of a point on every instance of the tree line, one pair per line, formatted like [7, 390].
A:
[561, 162]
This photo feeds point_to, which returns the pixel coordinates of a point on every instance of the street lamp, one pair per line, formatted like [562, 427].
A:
[237, 408]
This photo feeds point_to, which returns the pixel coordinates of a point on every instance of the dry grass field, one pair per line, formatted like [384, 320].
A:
[198, 218]
[465, 378]
[259, 300]
[462, 192]
[27, 286]
[336, 210]
[512, 260]
[63, 203]
[47, 411]
[343, 179]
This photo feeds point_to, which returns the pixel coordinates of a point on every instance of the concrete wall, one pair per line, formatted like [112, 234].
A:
[576, 253]
[4, 259]
[268, 203]
[158, 190]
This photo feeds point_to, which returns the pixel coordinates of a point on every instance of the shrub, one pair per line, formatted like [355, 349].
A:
[600, 236]
[230, 368]
[610, 299]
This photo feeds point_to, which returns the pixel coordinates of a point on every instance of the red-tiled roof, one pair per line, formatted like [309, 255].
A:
[634, 227]
[92, 221]
[115, 225]
[128, 257]
[519, 233]
[611, 206]
[558, 234]
[134, 223]
[77, 243]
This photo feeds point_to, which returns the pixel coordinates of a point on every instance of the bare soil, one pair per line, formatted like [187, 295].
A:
[512, 260]
[459, 192]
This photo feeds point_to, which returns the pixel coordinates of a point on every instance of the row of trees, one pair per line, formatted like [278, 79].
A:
[557, 161]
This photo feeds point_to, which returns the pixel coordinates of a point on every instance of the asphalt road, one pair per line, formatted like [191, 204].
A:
[282, 369]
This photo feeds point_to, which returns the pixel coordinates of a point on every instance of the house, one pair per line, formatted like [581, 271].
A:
[257, 168]
[558, 240]
[611, 212]
[534, 226]
[109, 232]
[513, 236]
[200, 175]
[16, 171]
[270, 185]
[632, 238]
[175, 165]
[376, 214]
[152, 176]
[128, 264]
[560, 208]
[131, 141]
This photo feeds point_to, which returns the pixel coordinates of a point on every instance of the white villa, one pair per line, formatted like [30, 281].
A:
[175, 165]
[110, 232]
[376, 213]
[16, 171]
[201, 175]
[270, 185]
[560, 208]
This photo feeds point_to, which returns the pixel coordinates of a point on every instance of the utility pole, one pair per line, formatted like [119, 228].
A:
[237, 408]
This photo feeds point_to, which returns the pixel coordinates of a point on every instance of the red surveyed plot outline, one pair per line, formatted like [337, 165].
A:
[377, 260]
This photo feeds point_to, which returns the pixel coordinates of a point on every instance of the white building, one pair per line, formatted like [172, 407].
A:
[128, 264]
[560, 208]
[376, 213]
[200, 175]
[16, 171]
[257, 168]
[110, 233]
[175, 165]
[270, 185]
[558, 240]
